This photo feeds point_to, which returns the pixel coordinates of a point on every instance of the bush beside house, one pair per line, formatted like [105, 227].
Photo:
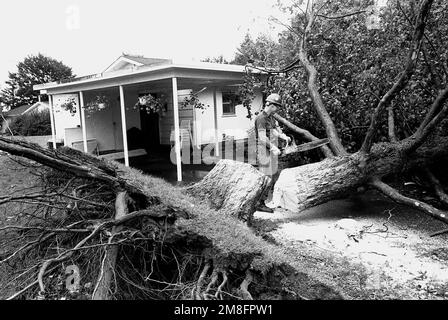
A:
[35, 123]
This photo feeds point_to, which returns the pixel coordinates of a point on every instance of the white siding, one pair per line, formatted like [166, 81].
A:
[63, 118]
[235, 126]
[104, 126]
[167, 119]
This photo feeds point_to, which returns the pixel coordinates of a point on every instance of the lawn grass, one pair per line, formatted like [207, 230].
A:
[233, 241]
[17, 176]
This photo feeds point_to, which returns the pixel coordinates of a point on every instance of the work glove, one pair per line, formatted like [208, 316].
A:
[275, 151]
[286, 138]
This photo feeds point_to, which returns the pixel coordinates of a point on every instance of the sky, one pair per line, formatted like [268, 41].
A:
[88, 35]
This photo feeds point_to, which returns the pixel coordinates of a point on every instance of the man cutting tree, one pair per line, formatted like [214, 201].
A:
[268, 131]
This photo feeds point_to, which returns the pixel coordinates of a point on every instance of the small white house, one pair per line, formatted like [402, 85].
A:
[130, 77]
[9, 116]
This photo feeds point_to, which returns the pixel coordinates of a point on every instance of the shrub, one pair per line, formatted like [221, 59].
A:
[32, 124]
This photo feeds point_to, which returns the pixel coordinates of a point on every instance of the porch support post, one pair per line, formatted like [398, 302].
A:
[83, 121]
[123, 127]
[53, 126]
[215, 110]
[177, 130]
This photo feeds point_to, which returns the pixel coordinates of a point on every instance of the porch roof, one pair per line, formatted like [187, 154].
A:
[198, 73]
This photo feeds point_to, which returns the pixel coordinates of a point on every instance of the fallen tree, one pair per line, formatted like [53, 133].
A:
[188, 243]
[137, 237]
[303, 187]
[342, 173]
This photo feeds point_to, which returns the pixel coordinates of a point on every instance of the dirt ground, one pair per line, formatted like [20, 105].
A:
[369, 247]
[366, 246]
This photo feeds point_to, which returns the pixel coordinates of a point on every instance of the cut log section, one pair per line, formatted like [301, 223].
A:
[232, 187]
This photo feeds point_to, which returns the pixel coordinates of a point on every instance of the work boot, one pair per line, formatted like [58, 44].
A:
[270, 204]
[264, 208]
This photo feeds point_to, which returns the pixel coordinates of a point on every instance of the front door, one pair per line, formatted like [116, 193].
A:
[150, 129]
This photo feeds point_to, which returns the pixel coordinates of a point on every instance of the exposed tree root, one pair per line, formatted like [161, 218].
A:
[244, 287]
[218, 294]
[153, 252]
[198, 290]
[103, 284]
[212, 283]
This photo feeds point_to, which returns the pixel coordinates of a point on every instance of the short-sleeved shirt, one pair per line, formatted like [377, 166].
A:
[265, 122]
[267, 164]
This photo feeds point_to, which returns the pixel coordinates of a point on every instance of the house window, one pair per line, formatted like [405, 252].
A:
[229, 101]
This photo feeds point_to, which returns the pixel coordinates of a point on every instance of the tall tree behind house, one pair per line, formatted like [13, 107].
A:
[32, 70]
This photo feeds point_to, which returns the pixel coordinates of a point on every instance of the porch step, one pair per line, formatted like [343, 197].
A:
[120, 155]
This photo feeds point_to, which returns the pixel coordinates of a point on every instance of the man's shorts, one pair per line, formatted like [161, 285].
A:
[267, 163]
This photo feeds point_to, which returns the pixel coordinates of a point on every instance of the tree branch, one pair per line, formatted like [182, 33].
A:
[431, 44]
[6, 199]
[335, 142]
[79, 164]
[53, 160]
[404, 77]
[391, 124]
[416, 204]
[438, 187]
[294, 31]
[340, 16]
[304, 133]
[438, 112]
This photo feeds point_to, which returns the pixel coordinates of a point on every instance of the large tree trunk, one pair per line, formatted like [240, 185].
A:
[303, 187]
[235, 187]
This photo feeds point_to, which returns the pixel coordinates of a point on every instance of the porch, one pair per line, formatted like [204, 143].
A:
[164, 169]
[123, 131]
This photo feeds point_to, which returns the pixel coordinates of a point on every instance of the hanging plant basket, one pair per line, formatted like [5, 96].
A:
[70, 105]
[151, 104]
[193, 101]
[100, 103]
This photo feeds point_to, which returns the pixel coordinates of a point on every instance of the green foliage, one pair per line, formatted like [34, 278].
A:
[356, 66]
[70, 105]
[33, 70]
[99, 103]
[150, 104]
[193, 100]
[263, 52]
[32, 124]
[218, 59]
[247, 93]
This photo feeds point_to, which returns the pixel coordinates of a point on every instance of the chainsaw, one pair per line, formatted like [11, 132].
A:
[292, 147]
